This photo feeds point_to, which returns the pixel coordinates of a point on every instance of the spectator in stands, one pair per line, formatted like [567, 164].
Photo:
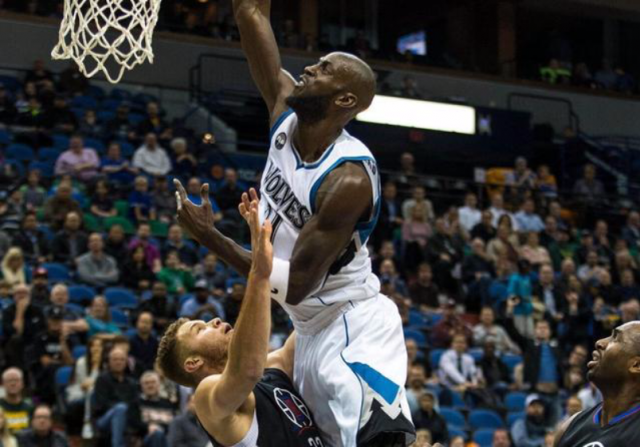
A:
[59, 298]
[8, 111]
[72, 81]
[50, 350]
[156, 412]
[427, 417]
[416, 385]
[589, 189]
[21, 321]
[70, 242]
[495, 372]
[443, 253]
[141, 202]
[33, 193]
[151, 158]
[501, 438]
[38, 73]
[184, 163]
[389, 273]
[520, 290]
[78, 393]
[424, 291]
[230, 193]
[185, 430]
[546, 182]
[606, 77]
[554, 73]
[138, 274]
[13, 268]
[532, 428]
[57, 208]
[98, 321]
[625, 82]
[160, 306]
[164, 201]
[487, 331]
[546, 292]
[175, 274]
[154, 124]
[59, 117]
[233, 301]
[450, 325]
[469, 214]
[118, 169]
[144, 344]
[202, 306]
[41, 432]
[11, 210]
[32, 241]
[17, 408]
[6, 437]
[590, 268]
[533, 252]
[120, 128]
[415, 233]
[208, 271]
[79, 162]
[527, 219]
[115, 244]
[521, 179]
[102, 203]
[176, 242]
[418, 196]
[95, 267]
[115, 393]
[477, 274]
[458, 440]
[151, 250]
[582, 76]
[408, 173]
[484, 229]
[40, 287]
[457, 369]
[390, 214]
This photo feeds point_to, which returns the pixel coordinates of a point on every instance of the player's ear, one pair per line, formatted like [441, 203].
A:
[634, 365]
[347, 101]
[193, 363]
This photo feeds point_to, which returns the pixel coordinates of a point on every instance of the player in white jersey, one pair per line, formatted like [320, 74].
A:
[321, 191]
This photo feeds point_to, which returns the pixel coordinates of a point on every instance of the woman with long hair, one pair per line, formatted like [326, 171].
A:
[139, 276]
[13, 267]
[6, 438]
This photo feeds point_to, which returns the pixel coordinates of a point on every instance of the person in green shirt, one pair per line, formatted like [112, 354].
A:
[17, 408]
[175, 275]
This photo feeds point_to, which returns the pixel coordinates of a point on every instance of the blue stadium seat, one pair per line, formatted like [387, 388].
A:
[104, 116]
[57, 272]
[512, 417]
[79, 351]
[93, 143]
[144, 98]
[136, 118]
[184, 299]
[110, 104]
[63, 375]
[60, 141]
[416, 335]
[434, 358]
[417, 318]
[11, 83]
[476, 353]
[456, 431]
[515, 401]
[120, 297]
[484, 437]
[96, 92]
[76, 308]
[5, 137]
[20, 152]
[49, 154]
[46, 168]
[511, 360]
[485, 419]
[119, 317]
[84, 102]
[118, 93]
[80, 294]
[453, 417]
[127, 150]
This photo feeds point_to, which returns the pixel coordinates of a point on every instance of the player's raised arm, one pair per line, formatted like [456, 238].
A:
[221, 396]
[260, 47]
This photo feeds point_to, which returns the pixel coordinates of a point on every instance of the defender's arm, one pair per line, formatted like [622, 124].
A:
[260, 47]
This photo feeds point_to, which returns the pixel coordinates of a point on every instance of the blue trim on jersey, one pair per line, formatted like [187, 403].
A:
[278, 123]
[366, 228]
[376, 381]
[302, 165]
[346, 331]
[618, 418]
[316, 185]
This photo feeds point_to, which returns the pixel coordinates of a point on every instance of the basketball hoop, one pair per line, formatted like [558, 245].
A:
[107, 35]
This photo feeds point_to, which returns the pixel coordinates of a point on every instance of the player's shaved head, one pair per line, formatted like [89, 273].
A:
[359, 77]
[617, 359]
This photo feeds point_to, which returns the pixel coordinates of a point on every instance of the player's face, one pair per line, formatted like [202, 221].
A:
[610, 363]
[208, 340]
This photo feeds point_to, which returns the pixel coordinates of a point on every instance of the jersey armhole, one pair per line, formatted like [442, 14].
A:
[283, 116]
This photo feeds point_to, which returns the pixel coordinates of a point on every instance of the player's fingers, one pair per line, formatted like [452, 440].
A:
[254, 194]
[178, 201]
[180, 189]
[204, 194]
[246, 201]
[265, 234]
[243, 210]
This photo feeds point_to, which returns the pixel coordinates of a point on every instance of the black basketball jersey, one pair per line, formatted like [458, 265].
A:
[585, 430]
[284, 420]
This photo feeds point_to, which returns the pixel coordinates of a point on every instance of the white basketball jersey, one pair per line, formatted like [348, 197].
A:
[288, 198]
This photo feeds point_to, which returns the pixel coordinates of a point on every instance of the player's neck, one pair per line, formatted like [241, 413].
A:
[311, 140]
[617, 404]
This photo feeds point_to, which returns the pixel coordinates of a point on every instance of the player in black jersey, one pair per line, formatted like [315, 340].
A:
[615, 370]
[244, 396]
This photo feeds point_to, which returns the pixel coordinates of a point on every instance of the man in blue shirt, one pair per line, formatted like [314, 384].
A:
[527, 220]
[202, 306]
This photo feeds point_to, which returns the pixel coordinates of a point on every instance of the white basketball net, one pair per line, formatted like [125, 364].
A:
[107, 35]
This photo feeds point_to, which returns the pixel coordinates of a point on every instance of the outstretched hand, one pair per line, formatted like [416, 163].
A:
[245, 205]
[197, 220]
[261, 247]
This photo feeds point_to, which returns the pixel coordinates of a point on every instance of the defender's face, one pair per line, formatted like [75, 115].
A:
[612, 355]
[209, 340]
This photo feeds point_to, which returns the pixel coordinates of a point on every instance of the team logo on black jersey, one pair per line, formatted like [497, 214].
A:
[281, 140]
[295, 410]
[594, 444]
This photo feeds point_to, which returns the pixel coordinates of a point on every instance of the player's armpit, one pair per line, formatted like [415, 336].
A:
[562, 429]
[344, 199]
[284, 357]
[260, 46]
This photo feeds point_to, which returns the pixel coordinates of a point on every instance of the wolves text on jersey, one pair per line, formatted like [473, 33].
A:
[282, 195]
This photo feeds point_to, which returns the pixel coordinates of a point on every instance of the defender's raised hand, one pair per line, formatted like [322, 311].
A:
[197, 220]
[245, 204]
[261, 248]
